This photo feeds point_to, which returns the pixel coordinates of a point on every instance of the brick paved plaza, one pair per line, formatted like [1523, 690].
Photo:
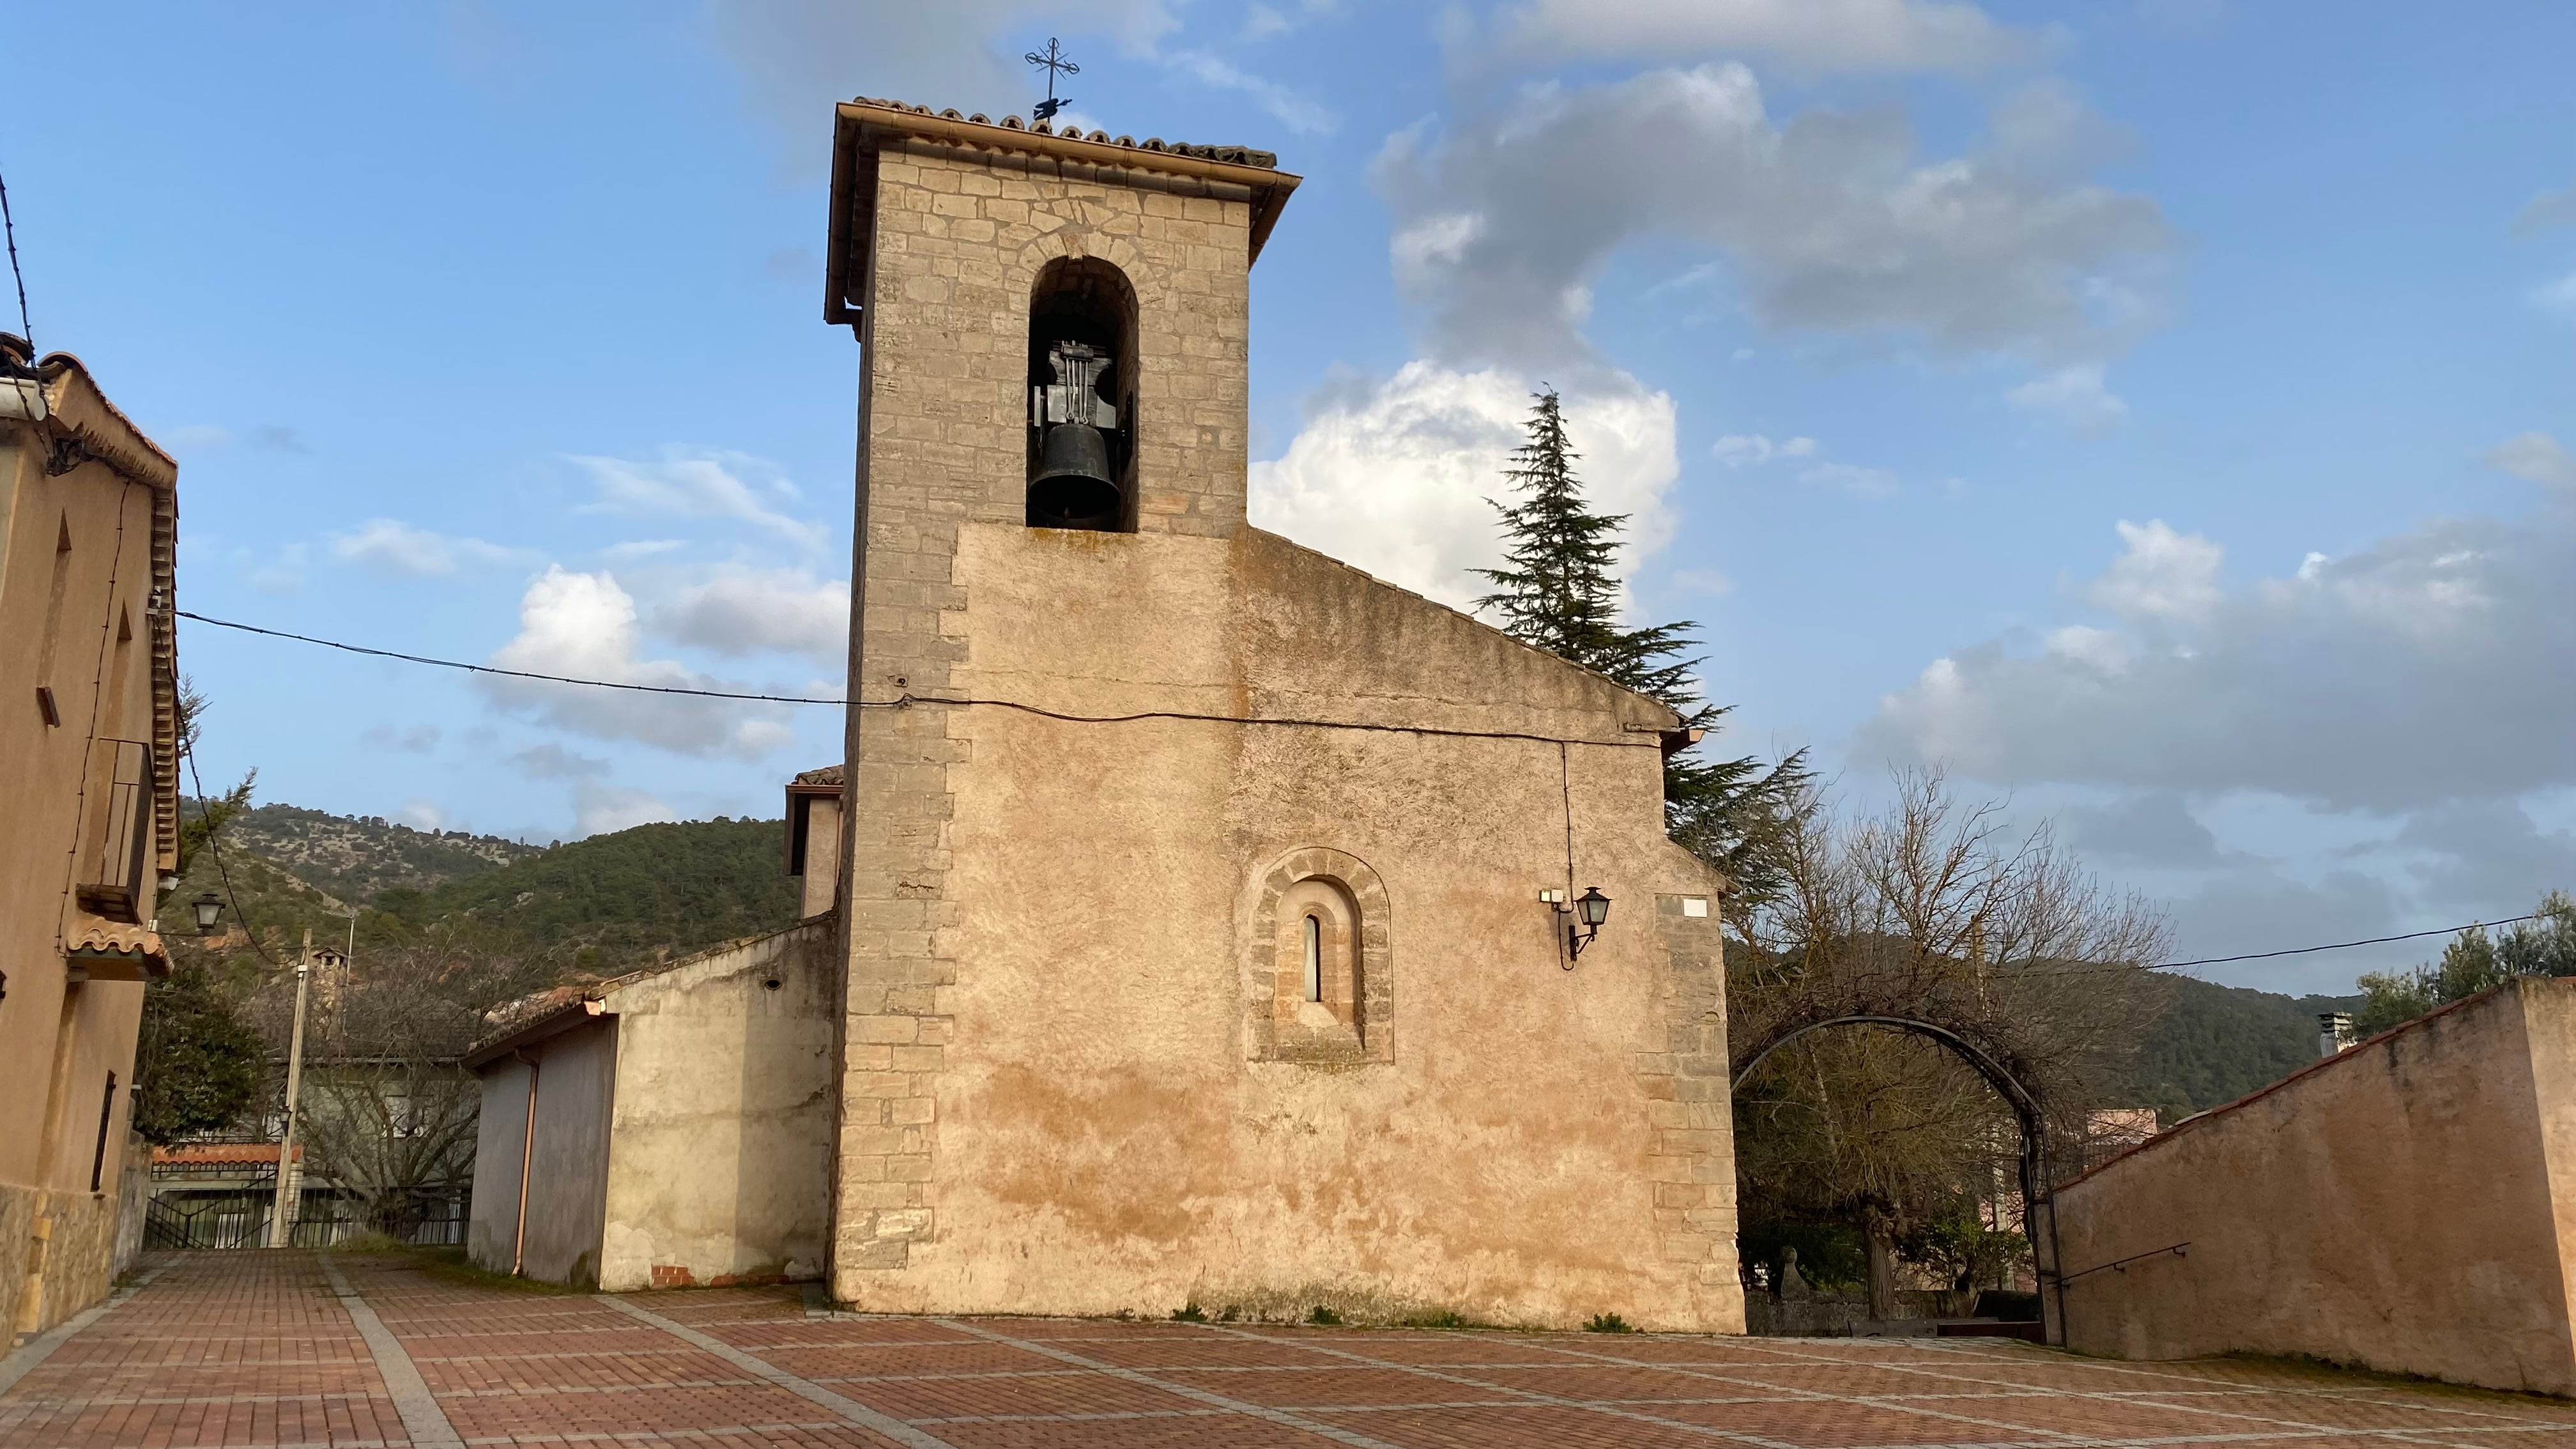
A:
[293, 1349]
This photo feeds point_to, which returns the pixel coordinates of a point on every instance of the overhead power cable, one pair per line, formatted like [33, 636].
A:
[515, 673]
[9, 227]
[1649, 739]
[2345, 945]
[908, 700]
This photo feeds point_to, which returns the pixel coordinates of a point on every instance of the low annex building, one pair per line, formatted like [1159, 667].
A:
[89, 768]
[1192, 920]
[679, 1116]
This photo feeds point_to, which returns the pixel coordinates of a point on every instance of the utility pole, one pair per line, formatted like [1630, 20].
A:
[281, 1227]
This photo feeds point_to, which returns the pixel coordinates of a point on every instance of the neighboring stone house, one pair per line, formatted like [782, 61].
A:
[89, 771]
[1193, 921]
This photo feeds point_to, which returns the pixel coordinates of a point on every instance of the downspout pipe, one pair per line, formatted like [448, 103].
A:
[527, 1155]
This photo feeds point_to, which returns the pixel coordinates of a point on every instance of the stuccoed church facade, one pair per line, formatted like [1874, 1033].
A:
[1194, 918]
[1202, 898]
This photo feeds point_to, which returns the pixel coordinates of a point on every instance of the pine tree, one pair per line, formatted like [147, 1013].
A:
[1558, 591]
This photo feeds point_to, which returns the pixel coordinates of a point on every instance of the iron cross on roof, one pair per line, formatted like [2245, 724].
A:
[1053, 59]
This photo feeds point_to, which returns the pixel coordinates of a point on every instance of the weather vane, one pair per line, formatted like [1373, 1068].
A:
[1053, 59]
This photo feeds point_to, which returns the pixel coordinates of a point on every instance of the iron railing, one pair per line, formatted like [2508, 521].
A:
[324, 1219]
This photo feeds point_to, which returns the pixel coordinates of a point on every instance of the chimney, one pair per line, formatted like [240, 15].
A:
[2334, 1032]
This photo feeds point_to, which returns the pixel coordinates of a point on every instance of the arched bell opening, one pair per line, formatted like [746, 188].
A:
[1082, 397]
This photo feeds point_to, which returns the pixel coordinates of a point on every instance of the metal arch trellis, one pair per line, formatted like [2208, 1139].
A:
[2026, 1110]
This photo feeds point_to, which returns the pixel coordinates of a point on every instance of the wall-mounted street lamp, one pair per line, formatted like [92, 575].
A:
[210, 909]
[1589, 910]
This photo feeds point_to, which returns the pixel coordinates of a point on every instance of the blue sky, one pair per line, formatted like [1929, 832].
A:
[2158, 412]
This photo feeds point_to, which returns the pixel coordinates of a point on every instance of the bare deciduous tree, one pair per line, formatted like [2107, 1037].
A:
[388, 1113]
[1930, 911]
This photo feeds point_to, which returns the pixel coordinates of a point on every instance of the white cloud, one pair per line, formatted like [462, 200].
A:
[283, 573]
[2085, 644]
[1299, 113]
[1809, 36]
[600, 809]
[2075, 394]
[417, 740]
[422, 814]
[777, 611]
[2534, 457]
[551, 761]
[1851, 478]
[2558, 296]
[699, 484]
[2151, 828]
[1268, 22]
[1736, 450]
[1829, 221]
[797, 57]
[583, 626]
[2434, 665]
[1394, 478]
[1703, 581]
[390, 546]
[642, 548]
[2161, 574]
[2550, 208]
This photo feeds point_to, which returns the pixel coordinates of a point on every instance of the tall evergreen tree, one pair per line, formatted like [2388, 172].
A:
[1558, 590]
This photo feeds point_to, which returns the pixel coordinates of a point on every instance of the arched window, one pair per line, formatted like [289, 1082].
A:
[1322, 985]
[1082, 397]
[1314, 957]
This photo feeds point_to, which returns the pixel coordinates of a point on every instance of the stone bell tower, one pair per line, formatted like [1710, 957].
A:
[1197, 890]
[1053, 332]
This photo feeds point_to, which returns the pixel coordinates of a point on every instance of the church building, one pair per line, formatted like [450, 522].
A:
[1221, 925]
[1194, 919]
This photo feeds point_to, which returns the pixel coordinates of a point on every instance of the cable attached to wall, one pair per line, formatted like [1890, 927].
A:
[1648, 739]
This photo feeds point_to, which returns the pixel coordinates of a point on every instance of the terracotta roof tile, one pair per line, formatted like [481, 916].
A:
[106, 938]
[1232, 155]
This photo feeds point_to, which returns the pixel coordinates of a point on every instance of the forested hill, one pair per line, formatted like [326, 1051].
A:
[588, 908]
[612, 902]
[2216, 1043]
[355, 857]
[601, 905]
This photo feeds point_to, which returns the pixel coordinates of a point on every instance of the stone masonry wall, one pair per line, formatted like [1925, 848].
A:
[960, 238]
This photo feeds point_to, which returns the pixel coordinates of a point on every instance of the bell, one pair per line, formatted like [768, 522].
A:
[1072, 487]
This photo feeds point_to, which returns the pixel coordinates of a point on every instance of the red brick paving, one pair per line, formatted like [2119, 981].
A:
[255, 1349]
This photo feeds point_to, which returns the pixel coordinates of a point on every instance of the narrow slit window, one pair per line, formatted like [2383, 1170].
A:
[106, 1115]
[1314, 959]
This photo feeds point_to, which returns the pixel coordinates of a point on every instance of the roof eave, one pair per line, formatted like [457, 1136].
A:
[860, 127]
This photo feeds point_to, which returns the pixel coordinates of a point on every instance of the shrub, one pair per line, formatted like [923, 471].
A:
[1607, 1323]
[1189, 1312]
[1323, 1316]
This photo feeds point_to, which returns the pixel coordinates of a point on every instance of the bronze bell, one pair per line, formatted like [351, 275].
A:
[1072, 488]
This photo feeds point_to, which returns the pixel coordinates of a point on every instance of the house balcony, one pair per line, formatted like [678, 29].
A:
[114, 880]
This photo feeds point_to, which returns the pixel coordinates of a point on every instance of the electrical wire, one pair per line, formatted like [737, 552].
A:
[2342, 945]
[514, 673]
[9, 226]
[214, 843]
[906, 701]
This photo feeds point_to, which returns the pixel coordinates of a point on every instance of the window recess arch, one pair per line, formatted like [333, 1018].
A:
[1319, 974]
